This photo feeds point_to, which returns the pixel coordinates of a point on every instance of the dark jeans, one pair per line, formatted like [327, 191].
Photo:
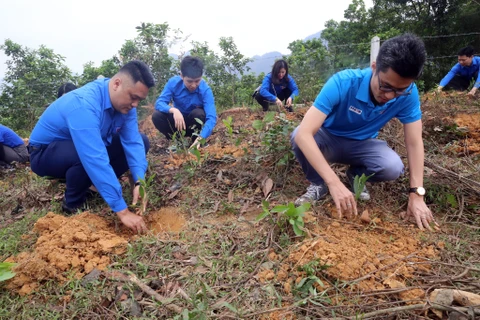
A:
[60, 160]
[165, 123]
[282, 95]
[459, 83]
[18, 154]
[371, 156]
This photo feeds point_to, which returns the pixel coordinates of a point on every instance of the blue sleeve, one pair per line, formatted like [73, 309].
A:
[210, 113]
[133, 146]
[477, 83]
[330, 96]
[84, 127]
[411, 108]
[450, 75]
[265, 89]
[165, 97]
[292, 85]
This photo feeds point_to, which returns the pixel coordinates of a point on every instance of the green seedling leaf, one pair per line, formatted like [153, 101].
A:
[6, 270]
[269, 117]
[257, 125]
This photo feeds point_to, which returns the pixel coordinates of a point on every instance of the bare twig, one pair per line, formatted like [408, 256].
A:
[116, 275]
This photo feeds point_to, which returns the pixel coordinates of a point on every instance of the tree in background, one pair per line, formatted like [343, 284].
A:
[310, 66]
[31, 82]
[224, 72]
[151, 46]
[108, 68]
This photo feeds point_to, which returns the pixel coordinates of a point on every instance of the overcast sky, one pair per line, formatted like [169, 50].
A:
[88, 30]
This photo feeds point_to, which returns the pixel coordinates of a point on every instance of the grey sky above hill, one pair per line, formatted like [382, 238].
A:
[90, 30]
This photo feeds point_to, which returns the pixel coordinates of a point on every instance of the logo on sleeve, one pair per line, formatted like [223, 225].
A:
[353, 109]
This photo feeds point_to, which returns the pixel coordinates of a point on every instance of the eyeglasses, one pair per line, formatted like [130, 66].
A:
[398, 92]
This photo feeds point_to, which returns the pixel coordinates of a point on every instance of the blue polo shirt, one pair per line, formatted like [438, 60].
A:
[9, 138]
[345, 99]
[465, 72]
[86, 116]
[186, 101]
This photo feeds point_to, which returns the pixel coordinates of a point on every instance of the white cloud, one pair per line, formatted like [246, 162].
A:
[91, 30]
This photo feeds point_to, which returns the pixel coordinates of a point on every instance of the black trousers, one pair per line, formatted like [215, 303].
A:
[459, 83]
[60, 160]
[282, 95]
[165, 123]
[18, 154]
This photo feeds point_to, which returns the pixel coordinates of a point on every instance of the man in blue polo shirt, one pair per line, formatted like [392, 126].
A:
[192, 99]
[90, 136]
[343, 124]
[459, 77]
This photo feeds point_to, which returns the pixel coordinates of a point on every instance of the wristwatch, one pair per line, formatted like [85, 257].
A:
[418, 190]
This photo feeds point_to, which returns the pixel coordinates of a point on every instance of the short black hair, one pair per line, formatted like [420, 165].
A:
[467, 51]
[139, 71]
[404, 54]
[191, 67]
[64, 88]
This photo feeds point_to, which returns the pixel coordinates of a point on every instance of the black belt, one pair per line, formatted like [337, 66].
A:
[32, 148]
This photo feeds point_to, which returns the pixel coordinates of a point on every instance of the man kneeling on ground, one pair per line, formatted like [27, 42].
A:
[90, 136]
[343, 123]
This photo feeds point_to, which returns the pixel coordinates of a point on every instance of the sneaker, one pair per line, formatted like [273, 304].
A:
[364, 195]
[71, 211]
[313, 193]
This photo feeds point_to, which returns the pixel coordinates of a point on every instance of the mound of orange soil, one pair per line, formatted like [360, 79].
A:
[74, 246]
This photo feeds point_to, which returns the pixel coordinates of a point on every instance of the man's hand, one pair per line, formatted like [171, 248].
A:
[418, 210]
[132, 221]
[344, 199]
[179, 120]
[279, 103]
[136, 196]
[472, 92]
[439, 89]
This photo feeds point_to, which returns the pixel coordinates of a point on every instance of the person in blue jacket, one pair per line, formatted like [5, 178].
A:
[459, 77]
[343, 123]
[12, 147]
[192, 99]
[90, 136]
[278, 87]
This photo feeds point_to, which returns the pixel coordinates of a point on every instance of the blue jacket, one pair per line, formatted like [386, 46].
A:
[351, 113]
[86, 116]
[270, 91]
[9, 138]
[466, 72]
[186, 101]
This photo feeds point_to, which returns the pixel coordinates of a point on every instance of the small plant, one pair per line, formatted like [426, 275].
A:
[6, 270]
[275, 131]
[291, 214]
[145, 185]
[308, 285]
[359, 184]
[228, 123]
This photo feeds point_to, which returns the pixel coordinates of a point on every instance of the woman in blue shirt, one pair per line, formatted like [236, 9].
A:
[459, 77]
[278, 87]
[12, 147]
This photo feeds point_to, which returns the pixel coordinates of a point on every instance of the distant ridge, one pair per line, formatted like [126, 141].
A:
[265, 62]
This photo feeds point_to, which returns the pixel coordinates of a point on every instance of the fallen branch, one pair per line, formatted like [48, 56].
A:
[116, 275]
[469, 183]
[422, 306]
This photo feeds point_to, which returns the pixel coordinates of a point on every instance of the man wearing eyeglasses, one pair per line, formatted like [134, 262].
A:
[343, 123]
[460, 76]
